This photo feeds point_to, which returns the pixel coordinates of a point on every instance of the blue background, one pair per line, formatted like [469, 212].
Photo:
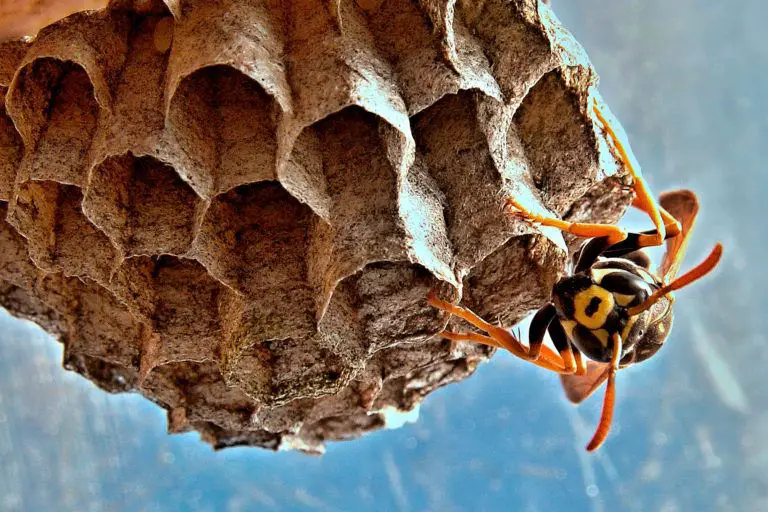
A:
[688, 80]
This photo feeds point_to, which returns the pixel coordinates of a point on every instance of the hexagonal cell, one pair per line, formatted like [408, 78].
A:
[60, 236]
[179, 300]
[519, 54]
[255, 236]
[57, 109]
[277, 371]
[142, 205]
[558, 143]
[389, 304]
[364, 222]
[226, 124]
[361, 179]
[11, 150]
[399, 360]
[290, 417]
[197, 393]
[101, 327]
[456, 152]
[495, 284]
[15, 267]
[254, 239]
[404, 35]
[404, 393]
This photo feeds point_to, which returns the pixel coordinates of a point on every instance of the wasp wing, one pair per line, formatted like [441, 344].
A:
[683, 205]
[579, 387]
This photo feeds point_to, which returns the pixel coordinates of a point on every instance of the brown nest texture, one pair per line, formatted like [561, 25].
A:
[237, 207]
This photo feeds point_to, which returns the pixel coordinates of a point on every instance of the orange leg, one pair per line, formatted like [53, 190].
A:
[610, 398]
[614, 233]
[499, 337]
[543, 362]
[671, 224]
[560, 340]
[644, 200]
[581, 365]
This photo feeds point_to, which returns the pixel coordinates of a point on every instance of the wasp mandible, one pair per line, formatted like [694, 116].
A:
[611, 307]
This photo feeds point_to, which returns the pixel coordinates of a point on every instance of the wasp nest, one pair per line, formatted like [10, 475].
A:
[237, 207]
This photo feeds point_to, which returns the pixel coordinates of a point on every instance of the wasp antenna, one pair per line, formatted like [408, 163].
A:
[606, 417]
[696, 273]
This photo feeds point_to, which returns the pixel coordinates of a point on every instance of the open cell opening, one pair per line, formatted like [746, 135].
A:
[11, 150]
[198, 388]
[179, 299]
[360, 178]
[388, 301]
[520, 273]
[15, 266]
[142, 205]
[518, 54]
[455, 151]
[557, 142]
[302, 368]
[226, 124]
[104, 328]
[55, 107]
[254, 240]
[60, 236]
[254, 237]
[364, 221]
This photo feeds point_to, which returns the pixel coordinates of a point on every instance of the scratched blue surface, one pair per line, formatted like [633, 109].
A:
[688, 80]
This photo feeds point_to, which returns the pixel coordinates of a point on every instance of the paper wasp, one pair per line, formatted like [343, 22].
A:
[611, 307]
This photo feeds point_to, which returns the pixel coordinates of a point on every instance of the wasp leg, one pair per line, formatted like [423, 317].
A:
[500, 337]
[606, 416]
[539, 324]
[614, 234]
[581, 365]
[565, 348]
[508, 341]
[643, 200]
[671, 224]
[545, 362]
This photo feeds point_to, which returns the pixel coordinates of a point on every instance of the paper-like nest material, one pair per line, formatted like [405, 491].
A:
[237, 208]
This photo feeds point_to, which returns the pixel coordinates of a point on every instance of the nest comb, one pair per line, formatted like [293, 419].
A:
[237, 207]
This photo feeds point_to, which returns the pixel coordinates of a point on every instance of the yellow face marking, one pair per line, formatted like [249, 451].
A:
[582, 301]
[602, 335]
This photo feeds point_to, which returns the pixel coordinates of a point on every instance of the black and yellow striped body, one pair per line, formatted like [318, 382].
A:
[593, 305]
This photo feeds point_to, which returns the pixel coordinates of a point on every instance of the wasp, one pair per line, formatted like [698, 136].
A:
[610, 308]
